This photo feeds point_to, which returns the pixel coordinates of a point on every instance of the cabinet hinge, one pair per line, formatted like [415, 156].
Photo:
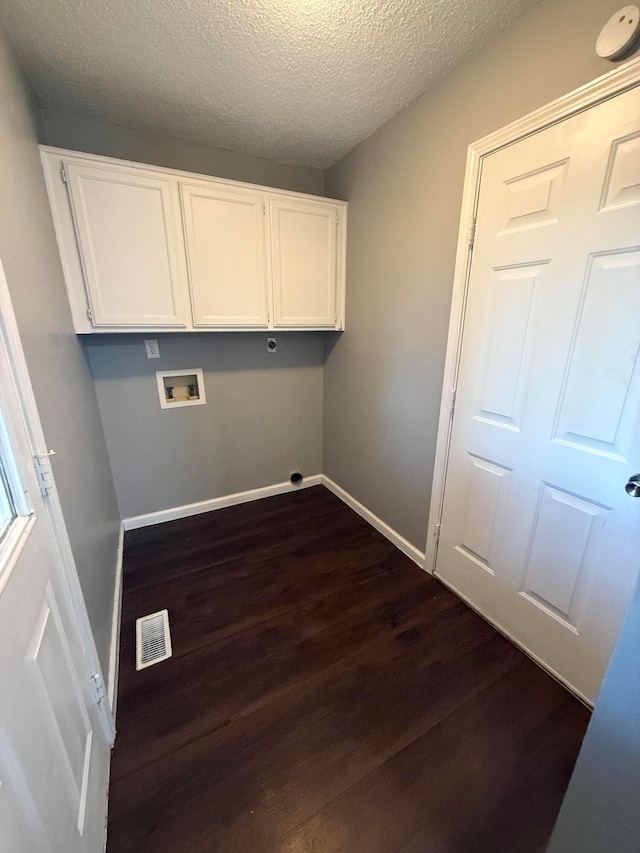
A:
[63, 174]
[436, 534]
[452, 409]
[337, 219]
[472, 232]
[43, 471]
[264, 208]
[97, 685]
[89, 314]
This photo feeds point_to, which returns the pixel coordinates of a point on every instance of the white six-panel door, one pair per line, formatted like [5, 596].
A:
[226, 254]
[537, 530]
[130, 238]
[54, 752]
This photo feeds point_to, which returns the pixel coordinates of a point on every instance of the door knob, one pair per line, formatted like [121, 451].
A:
[633, 486]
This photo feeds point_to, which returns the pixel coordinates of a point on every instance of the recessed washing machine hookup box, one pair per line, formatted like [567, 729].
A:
[178, 388]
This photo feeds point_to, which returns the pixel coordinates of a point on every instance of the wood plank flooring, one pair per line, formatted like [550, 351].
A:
[325, 695]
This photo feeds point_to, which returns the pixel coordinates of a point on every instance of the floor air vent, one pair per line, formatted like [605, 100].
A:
[153, 640]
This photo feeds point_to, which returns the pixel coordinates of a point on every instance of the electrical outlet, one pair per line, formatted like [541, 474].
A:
[153, 350]
[271, 344]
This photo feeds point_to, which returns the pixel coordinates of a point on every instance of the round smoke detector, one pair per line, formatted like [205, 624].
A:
[619, 33]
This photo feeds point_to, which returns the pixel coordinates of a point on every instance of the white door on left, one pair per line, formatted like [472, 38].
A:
[54, 750]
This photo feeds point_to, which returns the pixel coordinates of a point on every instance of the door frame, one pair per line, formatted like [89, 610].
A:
[69, 573]
[607, 86]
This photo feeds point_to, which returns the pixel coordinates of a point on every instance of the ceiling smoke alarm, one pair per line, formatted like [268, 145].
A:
[619, 33]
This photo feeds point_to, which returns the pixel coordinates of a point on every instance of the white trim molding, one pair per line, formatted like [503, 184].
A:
[223, 501]
[602, 88]
[116, 619]
[381, 526]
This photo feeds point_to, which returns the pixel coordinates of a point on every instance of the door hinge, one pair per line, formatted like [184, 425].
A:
[43, 471]
[63, 174]
[452, 408]
[97, 685]
[472, 232]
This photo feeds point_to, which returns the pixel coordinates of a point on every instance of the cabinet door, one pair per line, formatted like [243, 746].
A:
[128, 230]
[224, 230]
[304, 262]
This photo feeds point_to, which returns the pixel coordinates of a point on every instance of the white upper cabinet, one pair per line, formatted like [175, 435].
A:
[304, 261]
[225, 239]
[128, 229]
[145, 248]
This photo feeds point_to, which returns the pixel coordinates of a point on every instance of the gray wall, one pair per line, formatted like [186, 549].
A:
[59, 372]
[404, 183]
[67, 130]
[601, 811]
[262, 418]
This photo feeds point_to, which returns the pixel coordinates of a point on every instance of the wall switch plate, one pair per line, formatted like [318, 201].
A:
[153, 350]
[271, 344]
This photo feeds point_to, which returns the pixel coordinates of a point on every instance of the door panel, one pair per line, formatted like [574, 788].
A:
[54, 753]
[25, 831]
[507, 334]
[622, 182]
[128, 230]
[537, 531]
[531, 200]
[304, 262]
[486, 486]
[67, 720]
[603, 357]
[565, 528]
[226, 253]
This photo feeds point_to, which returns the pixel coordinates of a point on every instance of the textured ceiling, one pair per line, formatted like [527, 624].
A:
[299, 81]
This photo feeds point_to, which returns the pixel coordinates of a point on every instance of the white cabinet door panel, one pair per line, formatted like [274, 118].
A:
[537, 530]
[128, 230]
[304, 262]
[226, 255]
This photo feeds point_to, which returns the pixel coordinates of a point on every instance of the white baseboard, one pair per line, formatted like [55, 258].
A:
[218, 503]
[223, 501]
[381, 526]
[114, 656]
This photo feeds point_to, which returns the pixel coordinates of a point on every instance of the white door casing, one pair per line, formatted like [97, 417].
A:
[536, 530]
[54, 735]
[128, 223]
[226, 255]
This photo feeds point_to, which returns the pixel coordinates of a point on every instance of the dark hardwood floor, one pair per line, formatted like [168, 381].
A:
[324, 696]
